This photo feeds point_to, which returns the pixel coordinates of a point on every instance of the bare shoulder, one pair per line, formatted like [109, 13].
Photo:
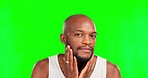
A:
[112, 71]
[41, 69]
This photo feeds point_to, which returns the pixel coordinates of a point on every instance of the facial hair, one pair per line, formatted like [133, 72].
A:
[83, 59]
[79, 58]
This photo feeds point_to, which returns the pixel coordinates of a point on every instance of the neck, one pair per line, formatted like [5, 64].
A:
[81, 65]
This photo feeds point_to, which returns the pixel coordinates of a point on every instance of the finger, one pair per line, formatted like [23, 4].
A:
[91, 62]
[92, 65]
[84, 71]
[66, 60]
[67, 53]
[88, 67]
[75, 65]
[71, 59]
[85, 68]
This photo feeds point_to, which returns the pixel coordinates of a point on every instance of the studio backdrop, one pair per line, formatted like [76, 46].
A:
[30, 31]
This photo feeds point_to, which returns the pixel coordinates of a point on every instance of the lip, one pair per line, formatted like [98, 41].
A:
[85, 49]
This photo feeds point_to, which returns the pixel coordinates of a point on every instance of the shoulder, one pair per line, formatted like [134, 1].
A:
[41, 69]
[112, 71]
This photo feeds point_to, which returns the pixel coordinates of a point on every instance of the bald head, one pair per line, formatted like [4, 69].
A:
[76, 20]
[79, 33]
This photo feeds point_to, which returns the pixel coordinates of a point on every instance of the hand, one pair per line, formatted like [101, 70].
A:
[71, 69]
[88, 69]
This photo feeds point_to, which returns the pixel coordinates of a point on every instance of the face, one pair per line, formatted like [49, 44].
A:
[81, 37]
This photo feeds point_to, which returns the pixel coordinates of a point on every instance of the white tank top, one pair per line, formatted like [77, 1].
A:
[56, 72]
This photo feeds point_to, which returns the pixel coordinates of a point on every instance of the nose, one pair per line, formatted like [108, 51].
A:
[86, 40]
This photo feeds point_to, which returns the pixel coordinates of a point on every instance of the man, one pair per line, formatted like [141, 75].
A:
[79, 61]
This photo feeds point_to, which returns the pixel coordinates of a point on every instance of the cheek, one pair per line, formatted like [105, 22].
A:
[75, 43]
[93, 42]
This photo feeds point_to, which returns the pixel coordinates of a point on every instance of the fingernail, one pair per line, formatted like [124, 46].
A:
[68, 46]
[71, 50]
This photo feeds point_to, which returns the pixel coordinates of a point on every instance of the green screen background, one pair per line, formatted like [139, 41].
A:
[30, 29]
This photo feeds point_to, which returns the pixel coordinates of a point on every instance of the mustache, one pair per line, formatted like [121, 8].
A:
[84, 47]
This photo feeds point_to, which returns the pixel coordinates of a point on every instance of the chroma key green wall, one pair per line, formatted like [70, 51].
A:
[30, 29]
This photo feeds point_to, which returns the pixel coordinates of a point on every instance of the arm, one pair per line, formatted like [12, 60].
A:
[41, 69]
[112, 71]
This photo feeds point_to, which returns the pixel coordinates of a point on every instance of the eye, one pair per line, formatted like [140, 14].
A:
[78, 35]
[93, 36]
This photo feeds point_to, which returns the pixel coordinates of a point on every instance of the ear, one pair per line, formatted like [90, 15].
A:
[63, 38]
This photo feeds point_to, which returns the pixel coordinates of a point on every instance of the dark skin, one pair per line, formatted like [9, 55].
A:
[79, 37]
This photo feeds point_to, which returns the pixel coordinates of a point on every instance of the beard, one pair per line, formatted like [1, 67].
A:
[80, 58]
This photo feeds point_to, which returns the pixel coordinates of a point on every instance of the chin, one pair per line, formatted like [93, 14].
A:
[83, 58]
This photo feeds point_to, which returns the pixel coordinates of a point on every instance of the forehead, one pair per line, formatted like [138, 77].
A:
[84, 25]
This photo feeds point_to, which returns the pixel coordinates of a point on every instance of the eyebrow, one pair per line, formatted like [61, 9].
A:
[79, 31]
[83, 31]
